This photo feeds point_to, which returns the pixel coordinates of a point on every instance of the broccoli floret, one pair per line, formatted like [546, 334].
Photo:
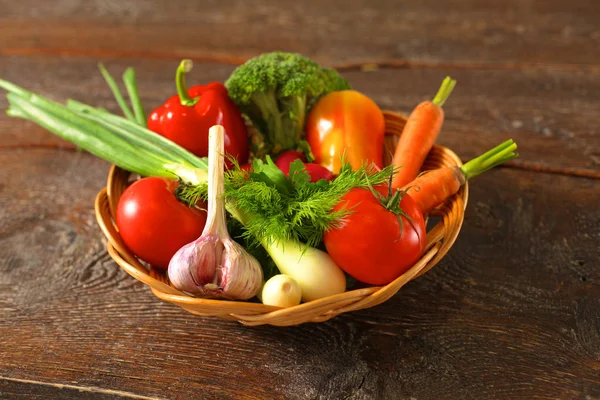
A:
[275, 91]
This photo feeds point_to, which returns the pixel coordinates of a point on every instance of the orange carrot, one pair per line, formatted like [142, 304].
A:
[432, 188]
[419, 135]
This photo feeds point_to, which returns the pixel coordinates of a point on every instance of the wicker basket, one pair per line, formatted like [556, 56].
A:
[439, 240]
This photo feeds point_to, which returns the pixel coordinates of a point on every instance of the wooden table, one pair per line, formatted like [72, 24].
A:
[512, 312]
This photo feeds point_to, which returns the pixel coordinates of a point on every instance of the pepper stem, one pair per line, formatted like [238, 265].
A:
[185, 66]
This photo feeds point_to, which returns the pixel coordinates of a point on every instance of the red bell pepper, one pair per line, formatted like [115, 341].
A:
[186, 117]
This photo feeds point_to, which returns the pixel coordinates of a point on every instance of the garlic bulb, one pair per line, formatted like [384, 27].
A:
[214, 265]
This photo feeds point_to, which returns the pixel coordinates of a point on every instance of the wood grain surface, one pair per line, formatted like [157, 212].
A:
[512, 312]
[508, 33]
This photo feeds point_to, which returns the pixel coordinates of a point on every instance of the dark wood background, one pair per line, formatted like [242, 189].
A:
[513, 311]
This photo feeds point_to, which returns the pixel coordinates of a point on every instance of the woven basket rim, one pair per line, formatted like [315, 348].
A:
[451, 215]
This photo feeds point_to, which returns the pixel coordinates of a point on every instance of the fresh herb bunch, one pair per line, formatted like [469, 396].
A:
[282, 208]
[278, 208]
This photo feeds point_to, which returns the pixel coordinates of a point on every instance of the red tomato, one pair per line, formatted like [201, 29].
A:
[346, 123]
[153, 223]
[284, 160]
[315, 171]
[370, 245]
[318, 172]
[246, 167]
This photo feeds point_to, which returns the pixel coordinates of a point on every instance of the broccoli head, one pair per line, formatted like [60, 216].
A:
[275, 91]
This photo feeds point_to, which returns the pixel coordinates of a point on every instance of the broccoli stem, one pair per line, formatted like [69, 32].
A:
[292, 122]
[269, 121]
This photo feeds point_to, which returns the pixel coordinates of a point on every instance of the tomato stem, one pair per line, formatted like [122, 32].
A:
[185, 66]
[392, 201]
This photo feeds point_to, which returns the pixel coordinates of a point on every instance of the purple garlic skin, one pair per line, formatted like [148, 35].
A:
[211, 267]
[214, 265]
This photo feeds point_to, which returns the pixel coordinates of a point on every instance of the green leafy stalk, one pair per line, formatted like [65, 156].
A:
[94, 139]
[103, 140]
[141, 136]
[134, 96]
[494, 157]
[116, 92]
[444, 92]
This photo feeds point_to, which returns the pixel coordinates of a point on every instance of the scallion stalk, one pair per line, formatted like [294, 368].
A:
[142, 152]
[142, 136]
[134, 96]
[117, 93]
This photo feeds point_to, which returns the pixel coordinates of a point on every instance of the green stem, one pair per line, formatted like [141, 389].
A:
[87, 135]
[117, 146]
[492, 158]
[184, 67]
[117, 93]
[134, 96]
[444, 91]
[140, 135]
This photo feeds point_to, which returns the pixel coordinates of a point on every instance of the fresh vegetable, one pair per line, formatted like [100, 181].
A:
[294, 208]
[346, 126]
[318, 172]
[110, 137]
[432, 188]
[186, 117]
[277, 212]
[281, 291]
[315, 171]
[153, 223]
[372, 233]
[284, 160]
[137, 115]
[419, 135]
[214, 265]
[382, 237]
[275, 91]
[315, 271]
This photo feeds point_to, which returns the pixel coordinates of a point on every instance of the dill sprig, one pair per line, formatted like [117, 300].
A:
[282, 208]
[278, 208]
[190, 194]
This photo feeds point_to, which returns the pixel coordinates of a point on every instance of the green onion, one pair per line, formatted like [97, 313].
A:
[117, 93]
[142, 137]
[134, 96]
[142, 152]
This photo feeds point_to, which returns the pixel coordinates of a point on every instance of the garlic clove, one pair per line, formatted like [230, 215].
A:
[195, 264]
[241, 273]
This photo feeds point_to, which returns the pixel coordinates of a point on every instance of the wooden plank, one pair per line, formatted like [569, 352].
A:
[511, 312]
[510, 33]
[552, 115]
[15, 389]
